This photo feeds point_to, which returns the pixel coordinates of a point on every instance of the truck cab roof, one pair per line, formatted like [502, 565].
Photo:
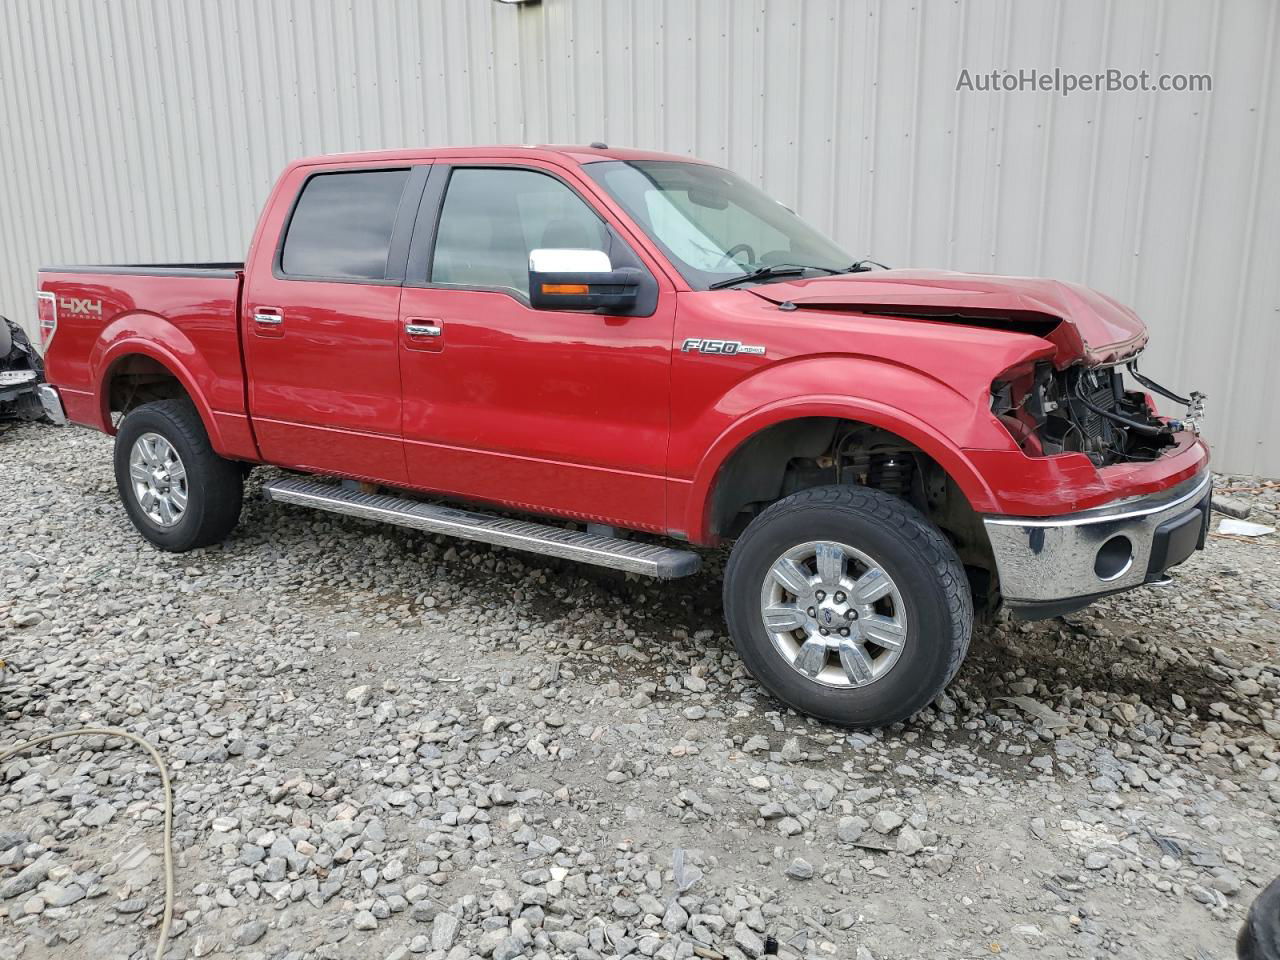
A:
[575, 154]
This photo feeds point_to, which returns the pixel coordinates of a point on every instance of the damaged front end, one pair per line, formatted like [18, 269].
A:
[1088, 409]
[21, 373]
[1053, 564]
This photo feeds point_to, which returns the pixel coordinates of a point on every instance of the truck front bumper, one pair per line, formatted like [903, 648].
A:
[1053, 565]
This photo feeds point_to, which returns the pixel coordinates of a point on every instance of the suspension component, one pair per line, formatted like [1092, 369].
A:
[890, 473]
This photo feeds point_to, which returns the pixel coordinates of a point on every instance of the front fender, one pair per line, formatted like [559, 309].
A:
[942, 419]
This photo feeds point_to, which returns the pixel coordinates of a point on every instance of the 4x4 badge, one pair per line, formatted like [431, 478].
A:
[78, 305]
[723, 348]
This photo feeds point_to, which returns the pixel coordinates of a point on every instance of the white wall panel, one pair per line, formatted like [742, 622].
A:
[152, 130]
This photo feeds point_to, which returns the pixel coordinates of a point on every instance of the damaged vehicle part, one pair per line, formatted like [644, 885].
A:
[1088, 410]
[1051, 566]
[21, 374]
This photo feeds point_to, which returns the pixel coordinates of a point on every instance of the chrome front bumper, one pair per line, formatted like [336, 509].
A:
[1052, 565]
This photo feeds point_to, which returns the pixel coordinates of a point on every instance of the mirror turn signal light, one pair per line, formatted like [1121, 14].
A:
[569, 288]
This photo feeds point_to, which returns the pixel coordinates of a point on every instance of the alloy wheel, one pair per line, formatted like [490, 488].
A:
[834, 614]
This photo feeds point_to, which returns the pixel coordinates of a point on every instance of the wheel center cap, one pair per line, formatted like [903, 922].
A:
[831, 614]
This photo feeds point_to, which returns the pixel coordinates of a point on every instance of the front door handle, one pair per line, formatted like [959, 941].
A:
[268, 319]
[423, 334]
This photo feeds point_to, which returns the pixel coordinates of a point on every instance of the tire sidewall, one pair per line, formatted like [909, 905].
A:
[184, 533]
[922, 668]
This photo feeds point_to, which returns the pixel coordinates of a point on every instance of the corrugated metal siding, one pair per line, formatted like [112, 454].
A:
[141, 130]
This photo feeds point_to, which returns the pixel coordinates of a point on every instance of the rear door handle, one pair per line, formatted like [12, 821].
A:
[268, 321]
[423, 329]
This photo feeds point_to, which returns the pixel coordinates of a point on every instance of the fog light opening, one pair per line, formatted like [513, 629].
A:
[1114, 558]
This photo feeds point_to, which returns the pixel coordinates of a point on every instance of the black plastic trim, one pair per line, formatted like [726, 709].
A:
[1152, 385]
[423, 245]
[406, 217]
[1178, 538]
[615, 291]
[1048, 609]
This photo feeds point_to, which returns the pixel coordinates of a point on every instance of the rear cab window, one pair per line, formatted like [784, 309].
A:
[342, 224]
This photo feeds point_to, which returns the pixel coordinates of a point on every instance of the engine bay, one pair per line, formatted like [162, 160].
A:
[1089, 410]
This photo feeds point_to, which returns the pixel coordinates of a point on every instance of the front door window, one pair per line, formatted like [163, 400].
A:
[493, 218]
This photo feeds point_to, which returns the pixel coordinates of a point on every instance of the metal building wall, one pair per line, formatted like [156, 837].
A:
[152, 130]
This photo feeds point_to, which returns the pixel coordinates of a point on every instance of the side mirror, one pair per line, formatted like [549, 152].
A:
[566, 279]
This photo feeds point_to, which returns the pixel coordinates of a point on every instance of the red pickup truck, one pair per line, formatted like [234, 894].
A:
[635, 349]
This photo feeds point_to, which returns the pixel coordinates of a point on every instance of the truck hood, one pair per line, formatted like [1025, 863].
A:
[1082, 323]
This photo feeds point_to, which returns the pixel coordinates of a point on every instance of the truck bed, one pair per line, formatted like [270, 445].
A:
[120, 324]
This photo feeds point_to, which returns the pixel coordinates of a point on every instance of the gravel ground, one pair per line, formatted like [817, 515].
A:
[388, 745]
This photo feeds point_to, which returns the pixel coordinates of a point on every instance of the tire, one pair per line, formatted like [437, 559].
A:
[1259, 938]
[927, 611]
[212, 488]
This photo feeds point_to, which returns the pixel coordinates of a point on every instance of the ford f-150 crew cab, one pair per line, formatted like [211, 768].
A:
[639, 354]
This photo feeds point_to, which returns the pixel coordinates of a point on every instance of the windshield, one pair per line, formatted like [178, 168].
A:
[711, 223]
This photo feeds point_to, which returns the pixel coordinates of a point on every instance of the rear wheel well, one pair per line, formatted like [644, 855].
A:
[138, 379]
[819, 451]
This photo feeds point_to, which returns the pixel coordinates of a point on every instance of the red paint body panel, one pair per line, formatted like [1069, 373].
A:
[1047, 486]
[84, 408]
[188, 324]
[1094, 327]
[325, 389]
[539, 407]
[595, 417]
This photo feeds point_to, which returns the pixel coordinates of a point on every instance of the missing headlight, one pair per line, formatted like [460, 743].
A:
[1082, 410]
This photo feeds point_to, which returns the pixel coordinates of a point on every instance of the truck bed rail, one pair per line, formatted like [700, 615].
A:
[210, 269]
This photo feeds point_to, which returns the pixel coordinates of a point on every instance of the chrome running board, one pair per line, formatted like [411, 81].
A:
[666, 563]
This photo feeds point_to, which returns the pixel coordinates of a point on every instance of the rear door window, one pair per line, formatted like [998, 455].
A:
[342, 224]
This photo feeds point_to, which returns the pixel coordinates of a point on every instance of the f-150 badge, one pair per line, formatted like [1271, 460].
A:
[723, 348]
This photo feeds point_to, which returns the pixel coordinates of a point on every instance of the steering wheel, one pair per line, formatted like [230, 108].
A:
[732, 252]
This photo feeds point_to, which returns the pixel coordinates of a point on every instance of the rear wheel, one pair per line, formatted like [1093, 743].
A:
[176, 490]
[847, 604]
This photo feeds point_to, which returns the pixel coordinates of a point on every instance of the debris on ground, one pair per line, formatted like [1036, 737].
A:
[390, 745]
[1243, 528]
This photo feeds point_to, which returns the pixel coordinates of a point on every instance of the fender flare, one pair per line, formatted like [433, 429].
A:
[130, 341]
[874, 413]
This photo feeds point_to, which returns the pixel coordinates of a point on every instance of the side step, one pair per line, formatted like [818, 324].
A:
[666, 563]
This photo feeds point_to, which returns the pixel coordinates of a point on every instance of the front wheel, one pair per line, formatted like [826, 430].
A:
[176, 490]
[847, 604]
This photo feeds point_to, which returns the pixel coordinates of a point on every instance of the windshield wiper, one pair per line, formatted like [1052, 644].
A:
[864, 265]
[769, 273]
